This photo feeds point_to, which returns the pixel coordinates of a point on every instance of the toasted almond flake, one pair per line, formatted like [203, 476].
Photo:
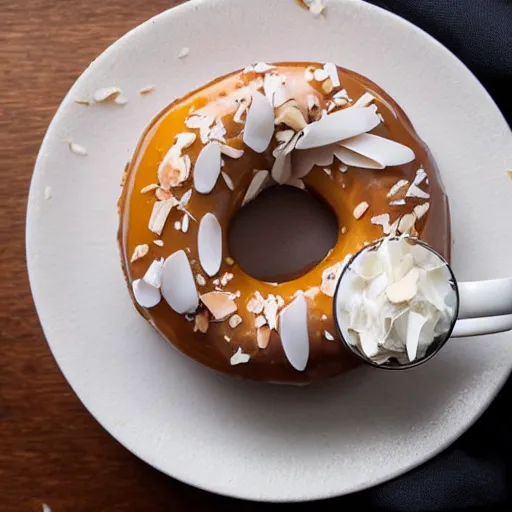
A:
[293, 329]
[106, 94]
[178, 285]
[259, 126]
[397, 202]
[339, 126]
[406, 223]
[209, 244]
[229, 261]
[239, 358]
[146, 90]
[183, 53]
[321, 75]
[415, 191]
[399, 185]
[153, 275]
[201, 322]
[360, 209]
[327, 86]
[139, 252]
[77, 149]
[365, 100]
[382, 220]
[227, 339]
[256, 186]
[270, 311]
[404, 290]
[220, 304]
[421, 210]
[228, 181]
[47, 193]
[200, 280]
[83, 102]
[148, 188]
[207, 168]
[291, 116]
[158, 243]
[328, 336]
[146, 295]
[161, 210]
[332, 70]
[231, 152]
[263, 336]
[235, 321]
[309, 74]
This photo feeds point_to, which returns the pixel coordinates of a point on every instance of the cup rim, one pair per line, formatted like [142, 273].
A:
[439, 345]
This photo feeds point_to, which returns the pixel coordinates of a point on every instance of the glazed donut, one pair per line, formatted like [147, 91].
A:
[315, 126]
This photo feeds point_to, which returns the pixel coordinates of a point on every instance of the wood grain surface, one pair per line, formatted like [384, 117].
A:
[51, 449]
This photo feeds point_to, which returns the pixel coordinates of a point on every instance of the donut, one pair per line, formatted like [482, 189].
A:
[317, 127]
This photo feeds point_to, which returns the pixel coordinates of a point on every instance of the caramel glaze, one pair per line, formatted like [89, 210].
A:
[342, 192]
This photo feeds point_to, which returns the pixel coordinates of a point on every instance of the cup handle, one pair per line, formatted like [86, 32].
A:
[485, 298]
[482, 326]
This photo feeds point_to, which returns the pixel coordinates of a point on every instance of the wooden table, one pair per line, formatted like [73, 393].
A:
[51, 449]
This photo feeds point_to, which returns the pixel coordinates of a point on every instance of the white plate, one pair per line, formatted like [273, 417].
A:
[241, 439]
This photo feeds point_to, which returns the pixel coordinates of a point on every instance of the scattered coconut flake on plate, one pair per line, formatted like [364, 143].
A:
[47, 193]
[146, 90]
[219, 304]
[257, 184]
[259, 126]
[207, 168]
[139, 252]
[209, 244]
[178, 285]
[77, 148]
[106, 94]
[360, 209]
[293, 330]
[183, 53]
[83, 102]
[239, 358]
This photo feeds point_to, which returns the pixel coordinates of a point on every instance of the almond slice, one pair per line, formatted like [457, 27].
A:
[239, 358]
[337, 127]
[183, 53]
[209, 244]
[139, 252]
[257, 184]
[231, 152]
[259, 126]
[383, 151]
[404, 290]
[293, 329]
[178, 285]
[263, 336]
[106, 94]
[161, 210]
[219, 304]
[146, 296]
[207, 168]
[291, 116]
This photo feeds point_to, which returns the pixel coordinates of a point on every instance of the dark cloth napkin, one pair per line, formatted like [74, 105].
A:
[475, 473]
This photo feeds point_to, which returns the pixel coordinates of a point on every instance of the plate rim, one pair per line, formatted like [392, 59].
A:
[127, 443]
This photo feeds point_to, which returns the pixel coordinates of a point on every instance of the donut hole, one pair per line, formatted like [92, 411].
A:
[282, 234]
